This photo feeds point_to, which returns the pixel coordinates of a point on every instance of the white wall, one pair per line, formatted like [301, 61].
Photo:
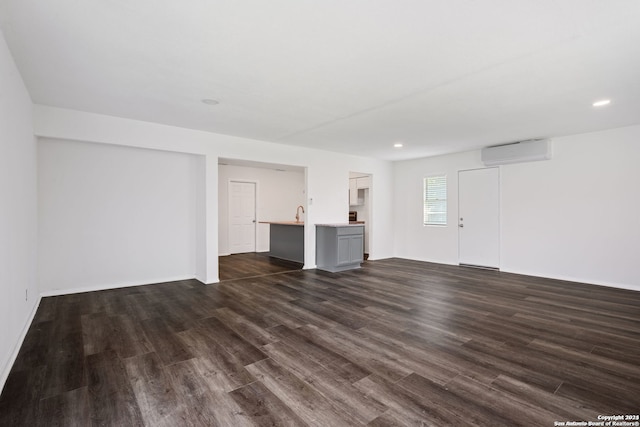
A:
[114, 216]
[327, 173]
[413, 239]
[574, 217]
[279, 193]
[17, 211]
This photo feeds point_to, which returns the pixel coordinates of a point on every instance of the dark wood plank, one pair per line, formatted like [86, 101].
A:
[165, 341]
[120, 333]
[398, 359]
[304, 345]
[397, 342]
[66, 364]
[248, 330]
[513, 408]
[609, 400]
[19, 402]
[69, 409]
[264, 408]
[154, 392]
[36, 348]
[207, 405]
[349, 318]
[111, 398]
[340, 391]
[231, 341]
[312, 406]
[450, 405]
[225, 370]
[565, 408]
[404, 407]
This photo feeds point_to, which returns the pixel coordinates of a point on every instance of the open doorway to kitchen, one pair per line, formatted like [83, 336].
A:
[244, 223]
[360, 198]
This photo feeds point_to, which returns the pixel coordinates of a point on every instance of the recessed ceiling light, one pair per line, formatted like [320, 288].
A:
[210, 101]
[398, 145]
[602, 103]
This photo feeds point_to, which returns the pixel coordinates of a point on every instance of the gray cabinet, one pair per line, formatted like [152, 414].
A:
[339, 247]
[286, 241]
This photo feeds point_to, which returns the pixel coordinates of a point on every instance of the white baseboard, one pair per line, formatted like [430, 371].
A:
[581, 280]
[544, 275]
[57, 292]
[18, 346]
[257, 251]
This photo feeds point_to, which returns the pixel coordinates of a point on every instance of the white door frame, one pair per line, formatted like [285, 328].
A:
[369, 227]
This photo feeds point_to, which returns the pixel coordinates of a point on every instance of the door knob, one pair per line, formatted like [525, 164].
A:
[461, 225]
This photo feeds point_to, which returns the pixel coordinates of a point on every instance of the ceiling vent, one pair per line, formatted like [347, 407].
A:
[517, 152]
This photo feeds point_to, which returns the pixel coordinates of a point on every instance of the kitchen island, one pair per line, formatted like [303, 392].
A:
[339, 247]
[286, 240]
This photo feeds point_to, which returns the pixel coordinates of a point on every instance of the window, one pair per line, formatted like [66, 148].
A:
[435, 200]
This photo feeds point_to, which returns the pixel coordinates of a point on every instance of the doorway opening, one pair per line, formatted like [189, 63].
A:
[360, 201]
[250, 196]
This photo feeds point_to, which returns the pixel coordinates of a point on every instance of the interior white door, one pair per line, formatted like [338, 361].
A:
[479, 217]
[242, 217]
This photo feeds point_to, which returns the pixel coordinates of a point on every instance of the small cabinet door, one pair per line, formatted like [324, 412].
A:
[356, 248]
[344, 250]
[350, 249]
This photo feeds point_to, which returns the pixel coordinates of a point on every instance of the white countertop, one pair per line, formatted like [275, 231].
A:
[345, 224]
[283, 222]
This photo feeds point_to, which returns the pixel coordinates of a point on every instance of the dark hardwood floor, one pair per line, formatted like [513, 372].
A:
[395, 343]
[240, 266]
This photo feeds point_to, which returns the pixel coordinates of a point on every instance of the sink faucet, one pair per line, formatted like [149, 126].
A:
[298, 213]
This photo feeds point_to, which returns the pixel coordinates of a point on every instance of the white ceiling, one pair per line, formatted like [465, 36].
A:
[352, 76]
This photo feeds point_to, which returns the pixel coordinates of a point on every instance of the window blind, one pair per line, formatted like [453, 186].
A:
[435, 200]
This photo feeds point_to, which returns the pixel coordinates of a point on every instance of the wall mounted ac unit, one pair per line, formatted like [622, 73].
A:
[517, 152]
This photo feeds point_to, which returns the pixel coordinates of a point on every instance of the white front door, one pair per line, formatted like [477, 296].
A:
[242, 217]
[479, 217]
